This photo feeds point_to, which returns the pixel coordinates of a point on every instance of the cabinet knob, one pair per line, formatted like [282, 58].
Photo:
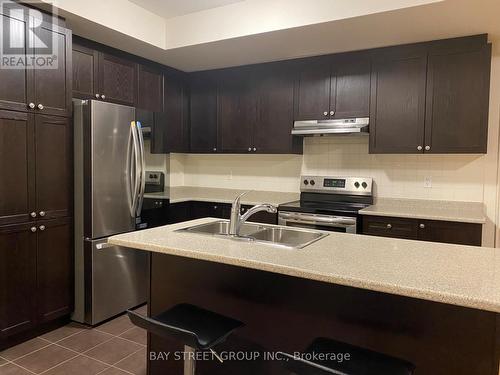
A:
[40, 106]
[33, 229]
[421, 226]
[427, 148]
[214, 149]
[41, 227]
[255, 148]
[103, 96]
[31, 105]
[249, 149]
[389, 226]
[325, 113]
[332, 113]
[215, 207]
[33, 214]
[97, 96]
[419, 148]
[41, 213]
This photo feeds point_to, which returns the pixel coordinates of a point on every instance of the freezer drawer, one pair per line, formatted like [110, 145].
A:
[115, 279]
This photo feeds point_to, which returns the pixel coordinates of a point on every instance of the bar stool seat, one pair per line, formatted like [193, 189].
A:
[361, 361]
[196, 328]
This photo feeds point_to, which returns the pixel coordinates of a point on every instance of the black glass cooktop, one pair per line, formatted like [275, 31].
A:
[328, 204]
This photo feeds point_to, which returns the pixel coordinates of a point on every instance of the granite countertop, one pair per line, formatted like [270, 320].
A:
[466, 212]
[453, 274]
[217, 195]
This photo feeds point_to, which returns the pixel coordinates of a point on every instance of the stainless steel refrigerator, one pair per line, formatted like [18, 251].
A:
[109, 189]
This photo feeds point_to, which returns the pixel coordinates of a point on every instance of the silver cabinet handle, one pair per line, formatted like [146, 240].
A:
[31, 105]
[41, 213]
[255, 148]
[40, 106]
[249, 149]
[33, 214]
[97, 96]
[427, 148]
[389, 226]
[421, 226]
[41, 227]
[33, 229]
[325, 113]
[103, 96]
[419, 148]
[332, 113]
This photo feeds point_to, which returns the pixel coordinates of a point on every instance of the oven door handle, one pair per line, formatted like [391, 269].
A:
[310, 219]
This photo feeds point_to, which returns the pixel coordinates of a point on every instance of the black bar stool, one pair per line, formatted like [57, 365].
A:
[196, 328]
[361, 361]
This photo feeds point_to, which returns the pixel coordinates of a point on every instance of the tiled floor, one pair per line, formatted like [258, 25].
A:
[113, 348]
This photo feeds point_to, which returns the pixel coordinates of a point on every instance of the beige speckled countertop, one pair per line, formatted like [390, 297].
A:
[453, 274]
[466, 212]
[193, 193]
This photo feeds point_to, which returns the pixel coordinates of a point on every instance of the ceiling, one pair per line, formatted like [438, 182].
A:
[173, 8]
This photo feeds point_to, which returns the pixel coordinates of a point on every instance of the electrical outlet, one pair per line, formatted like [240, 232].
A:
[230, 175]
[428, 182]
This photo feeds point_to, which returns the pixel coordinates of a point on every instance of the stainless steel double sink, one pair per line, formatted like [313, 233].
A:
[287, 237]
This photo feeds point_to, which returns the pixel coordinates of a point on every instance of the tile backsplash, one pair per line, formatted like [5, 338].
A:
[453, 177]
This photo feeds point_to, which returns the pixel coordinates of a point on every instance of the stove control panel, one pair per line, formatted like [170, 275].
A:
[337, 185]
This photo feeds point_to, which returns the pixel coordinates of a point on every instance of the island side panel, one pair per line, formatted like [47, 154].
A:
[286, 313]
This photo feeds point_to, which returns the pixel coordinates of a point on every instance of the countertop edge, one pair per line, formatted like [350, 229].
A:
[446, 298]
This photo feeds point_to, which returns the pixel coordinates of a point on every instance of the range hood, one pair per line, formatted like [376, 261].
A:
[350, 126]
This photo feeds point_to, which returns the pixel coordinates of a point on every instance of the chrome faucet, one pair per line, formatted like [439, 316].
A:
[237, 219]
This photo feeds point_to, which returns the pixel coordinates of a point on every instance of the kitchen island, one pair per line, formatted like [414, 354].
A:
[433, 304]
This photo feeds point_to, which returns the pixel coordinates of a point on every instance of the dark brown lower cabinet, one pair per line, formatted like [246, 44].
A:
[424, 230]
[17, 279]
[54, 269]
[36, 274]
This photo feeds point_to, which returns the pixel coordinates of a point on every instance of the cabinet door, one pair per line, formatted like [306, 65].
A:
[312, 92]
[179, 212]
[52, 86]
[85, 62]
[398, 101]
[272, 133]
[351, 95]
[54, 269]
[203, 129]
[17, 190]
[14, 92]
[54, 166]
[117, 79]
[171, 134]
[458, 85]
[237, 111]
[17, 279]
[150, 93]
[450, 232]
[390, 227]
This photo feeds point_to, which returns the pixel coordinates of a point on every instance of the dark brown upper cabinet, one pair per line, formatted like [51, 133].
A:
[85, 72]
[458, 85]
[54, 269]
[54, 166]
[41, 89]
[150, 88]
[237, 110]
[17, 191]
[117, 79]
[398, 100]
[171, 132]
[312, 94]
[17, 279]
[350, 90]
[52, 87]
[275, 90]
[203, 112]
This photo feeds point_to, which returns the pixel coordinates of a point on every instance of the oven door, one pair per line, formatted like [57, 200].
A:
[332, 223]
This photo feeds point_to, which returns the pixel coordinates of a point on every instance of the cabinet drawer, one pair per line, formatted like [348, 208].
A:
[390, 227]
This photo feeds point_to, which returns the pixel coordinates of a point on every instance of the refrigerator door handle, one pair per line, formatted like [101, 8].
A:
[136, 172]
[142, 184]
